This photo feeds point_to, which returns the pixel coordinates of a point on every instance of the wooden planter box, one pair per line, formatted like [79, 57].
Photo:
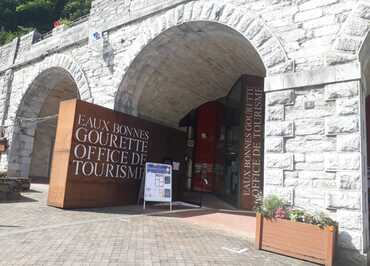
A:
[303, 241]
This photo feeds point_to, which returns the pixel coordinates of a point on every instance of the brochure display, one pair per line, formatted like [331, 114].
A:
[158, 183]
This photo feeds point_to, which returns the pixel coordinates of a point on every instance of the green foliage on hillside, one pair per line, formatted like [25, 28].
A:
[17, 17]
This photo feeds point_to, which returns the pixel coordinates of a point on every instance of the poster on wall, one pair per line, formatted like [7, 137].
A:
[158, 183]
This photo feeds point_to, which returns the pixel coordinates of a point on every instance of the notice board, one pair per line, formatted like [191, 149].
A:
[158, 182]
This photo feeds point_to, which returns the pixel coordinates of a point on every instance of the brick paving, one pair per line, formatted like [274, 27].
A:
[32, 233]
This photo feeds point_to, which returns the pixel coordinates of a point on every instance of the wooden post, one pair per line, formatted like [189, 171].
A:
[259, 227]
[330, 248]
[60, 165]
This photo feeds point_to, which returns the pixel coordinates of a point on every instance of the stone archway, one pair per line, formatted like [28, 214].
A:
[51, 73]
[351, 40]
[74, 70]
[35, 123]
[194, 63]
[242, 20]
[364, 59]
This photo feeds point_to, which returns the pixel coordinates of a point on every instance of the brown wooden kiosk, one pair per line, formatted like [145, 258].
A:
[99, 156]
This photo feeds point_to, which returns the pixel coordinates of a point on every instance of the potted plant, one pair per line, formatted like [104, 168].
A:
[294, 232]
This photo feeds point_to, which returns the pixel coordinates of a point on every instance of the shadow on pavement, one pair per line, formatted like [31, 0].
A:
[18, 199]
[10, 226]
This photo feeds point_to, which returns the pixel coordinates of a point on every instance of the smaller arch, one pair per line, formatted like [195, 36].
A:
[32, 139]
[68, 64]
[39, 89]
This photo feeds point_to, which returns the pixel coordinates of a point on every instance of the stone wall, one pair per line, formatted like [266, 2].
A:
[25, 44]
[314, 113]
[307, 30]
[34, 47]
[106, 15]
[313, 153]
[7, 54]
[6, 81]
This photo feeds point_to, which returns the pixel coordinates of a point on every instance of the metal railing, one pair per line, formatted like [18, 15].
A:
[73, 23]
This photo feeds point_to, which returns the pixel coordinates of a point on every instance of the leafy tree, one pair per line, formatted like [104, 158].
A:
[16, 16]
[76, 8]
[38, 14]
[8, 36]
[9, 28]
[8, 14]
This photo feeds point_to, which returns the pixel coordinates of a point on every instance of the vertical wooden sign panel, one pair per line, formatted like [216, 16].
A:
[61, 154]
[251, 154]
[100, 155]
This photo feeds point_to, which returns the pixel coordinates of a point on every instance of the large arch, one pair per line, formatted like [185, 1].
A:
[242, 20]
[184, 67]
[35, 122]
[352, 39]
[364, 59]
[198, 62]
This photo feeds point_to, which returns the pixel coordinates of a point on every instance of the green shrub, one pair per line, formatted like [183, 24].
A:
[322, 220]
[66, 22]
[275, 207]
[269, 206]
[296, 215]
[8, 36]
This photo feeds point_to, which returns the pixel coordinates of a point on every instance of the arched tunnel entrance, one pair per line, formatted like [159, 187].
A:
[204, 78]
[35, 129]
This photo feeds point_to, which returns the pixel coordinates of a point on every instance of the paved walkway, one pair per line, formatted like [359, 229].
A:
[32, 233]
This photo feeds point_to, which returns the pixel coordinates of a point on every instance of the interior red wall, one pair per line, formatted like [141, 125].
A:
[208, 124]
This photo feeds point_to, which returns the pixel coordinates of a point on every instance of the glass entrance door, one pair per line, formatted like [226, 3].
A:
[231, 126]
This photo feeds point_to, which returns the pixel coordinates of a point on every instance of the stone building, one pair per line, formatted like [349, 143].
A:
[160, 59]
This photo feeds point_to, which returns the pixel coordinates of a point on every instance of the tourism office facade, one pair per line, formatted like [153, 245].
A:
[159, 60]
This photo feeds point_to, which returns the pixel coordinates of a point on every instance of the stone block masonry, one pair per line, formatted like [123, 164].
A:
[315, 55]
[313, 153]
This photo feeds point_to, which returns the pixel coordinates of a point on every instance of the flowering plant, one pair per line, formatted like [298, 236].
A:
[56, 23]
[273, 207]
[280, 213]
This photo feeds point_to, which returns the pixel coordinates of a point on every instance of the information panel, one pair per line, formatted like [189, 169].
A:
[158, 182]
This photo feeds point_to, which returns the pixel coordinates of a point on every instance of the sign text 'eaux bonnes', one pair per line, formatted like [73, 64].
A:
[104, 148]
